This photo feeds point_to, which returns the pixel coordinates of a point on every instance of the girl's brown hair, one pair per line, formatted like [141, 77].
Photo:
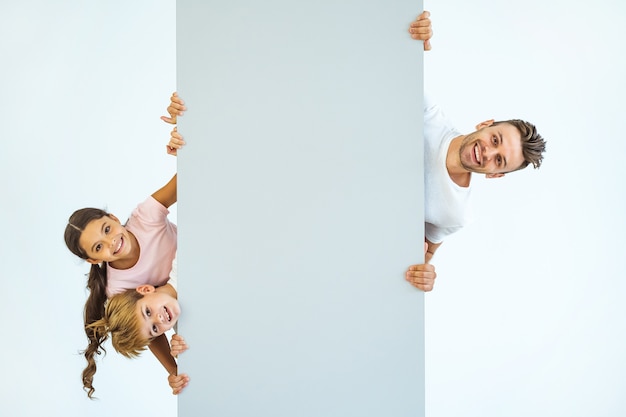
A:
[96, 283]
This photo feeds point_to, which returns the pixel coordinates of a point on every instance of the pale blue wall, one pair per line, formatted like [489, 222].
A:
[86, 84]
[530, 324]
[300, 207]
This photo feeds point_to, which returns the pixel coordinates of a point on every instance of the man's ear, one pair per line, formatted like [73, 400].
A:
[145, 289]
[498, 175]
[484, 124]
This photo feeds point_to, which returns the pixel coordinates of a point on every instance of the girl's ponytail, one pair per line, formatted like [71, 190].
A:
[95, 323]
[95, 327]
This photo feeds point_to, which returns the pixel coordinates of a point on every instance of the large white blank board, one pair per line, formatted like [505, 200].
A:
[300, 207]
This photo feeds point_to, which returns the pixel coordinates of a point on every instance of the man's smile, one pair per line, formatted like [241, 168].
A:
[477, 154]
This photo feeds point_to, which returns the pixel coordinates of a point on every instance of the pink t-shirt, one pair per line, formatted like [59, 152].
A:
[157, 240]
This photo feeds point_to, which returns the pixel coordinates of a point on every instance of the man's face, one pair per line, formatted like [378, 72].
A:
[492, 150]
[157, 313]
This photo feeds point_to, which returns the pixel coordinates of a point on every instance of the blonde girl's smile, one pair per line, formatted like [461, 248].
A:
[157, 311]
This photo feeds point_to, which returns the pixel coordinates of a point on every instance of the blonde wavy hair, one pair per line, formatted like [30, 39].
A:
[121, 323]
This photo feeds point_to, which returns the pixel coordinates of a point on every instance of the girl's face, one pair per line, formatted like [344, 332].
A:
[157, 311]
[105, 239]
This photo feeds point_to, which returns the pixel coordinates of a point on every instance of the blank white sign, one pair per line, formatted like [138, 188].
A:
[300, 207]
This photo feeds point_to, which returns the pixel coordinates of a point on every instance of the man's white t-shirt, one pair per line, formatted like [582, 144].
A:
[446, 203]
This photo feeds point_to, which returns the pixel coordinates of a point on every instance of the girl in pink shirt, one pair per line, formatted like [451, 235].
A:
[126, 256]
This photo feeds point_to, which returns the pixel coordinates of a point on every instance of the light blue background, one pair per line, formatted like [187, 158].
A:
[300, 207]
[528, 323]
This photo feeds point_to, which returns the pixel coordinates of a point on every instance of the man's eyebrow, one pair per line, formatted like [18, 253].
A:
[502, 143]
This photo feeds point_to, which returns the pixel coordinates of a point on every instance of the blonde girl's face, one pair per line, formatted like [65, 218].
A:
[157, 312]
[105, 240]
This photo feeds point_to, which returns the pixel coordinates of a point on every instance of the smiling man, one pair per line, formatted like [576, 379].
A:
[450, 159]
[494, 149]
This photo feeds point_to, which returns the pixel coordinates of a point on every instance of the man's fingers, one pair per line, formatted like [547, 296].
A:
[419, 24]
[421, 276]
[422, 283]
[422, 267]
